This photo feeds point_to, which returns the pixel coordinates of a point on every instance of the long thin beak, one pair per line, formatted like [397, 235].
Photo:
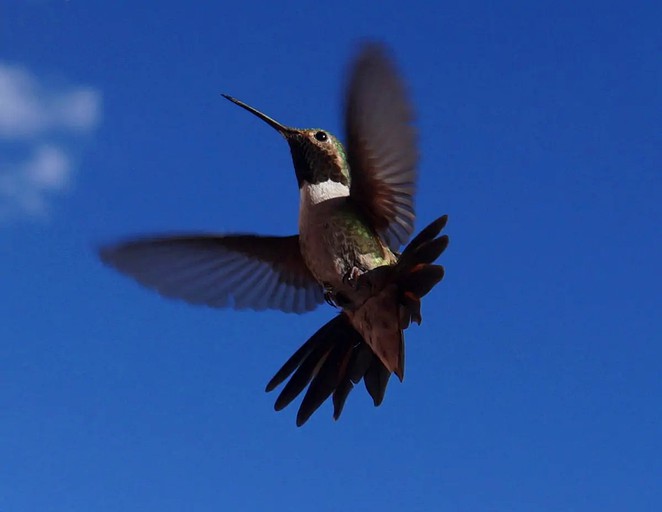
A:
[283, 130]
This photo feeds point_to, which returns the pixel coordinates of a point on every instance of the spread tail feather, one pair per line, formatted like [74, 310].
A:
[398, 289]
[331, 362]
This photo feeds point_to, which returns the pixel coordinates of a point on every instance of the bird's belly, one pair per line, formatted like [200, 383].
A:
[336, 244]
[333, 254]
[321, 255]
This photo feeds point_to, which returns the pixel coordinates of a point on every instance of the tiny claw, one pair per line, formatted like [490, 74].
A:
[351, 278]
[329, 296]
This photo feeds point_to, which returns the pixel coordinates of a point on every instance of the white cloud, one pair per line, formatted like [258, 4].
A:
[43, 123]
[26, 185]
[49, 168]
[29, 109]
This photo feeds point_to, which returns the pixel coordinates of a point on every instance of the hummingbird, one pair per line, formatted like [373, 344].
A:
[356, 210]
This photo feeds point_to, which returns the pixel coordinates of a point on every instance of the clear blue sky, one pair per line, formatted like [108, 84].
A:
[534, 382]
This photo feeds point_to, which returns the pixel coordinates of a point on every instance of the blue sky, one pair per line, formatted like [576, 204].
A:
[534, 380]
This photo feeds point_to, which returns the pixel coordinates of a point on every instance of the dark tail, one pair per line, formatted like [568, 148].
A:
[337, 357]
[416, 274]
[332, 361]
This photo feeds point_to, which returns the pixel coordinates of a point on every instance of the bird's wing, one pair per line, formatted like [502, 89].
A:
[381, 145]
[240, 271]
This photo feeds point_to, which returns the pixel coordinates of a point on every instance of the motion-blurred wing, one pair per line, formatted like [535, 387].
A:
[381, 145]
[240, 271]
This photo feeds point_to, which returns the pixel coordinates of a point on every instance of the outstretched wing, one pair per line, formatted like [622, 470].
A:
[240, 271]
[381, 145]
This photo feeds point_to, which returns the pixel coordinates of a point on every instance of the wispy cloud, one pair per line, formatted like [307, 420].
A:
[41, 126]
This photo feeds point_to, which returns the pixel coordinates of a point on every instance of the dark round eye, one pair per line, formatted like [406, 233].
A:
[321, 136]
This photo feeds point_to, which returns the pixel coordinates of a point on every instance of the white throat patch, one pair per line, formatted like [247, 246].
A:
[320, 192]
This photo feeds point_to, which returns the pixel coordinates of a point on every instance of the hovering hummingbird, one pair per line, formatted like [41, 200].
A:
[356, 210]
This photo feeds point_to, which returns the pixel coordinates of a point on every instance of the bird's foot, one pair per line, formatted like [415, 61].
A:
[351, 278]
[329, 295]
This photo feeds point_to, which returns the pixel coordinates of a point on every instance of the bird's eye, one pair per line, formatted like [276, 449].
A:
[321, 136]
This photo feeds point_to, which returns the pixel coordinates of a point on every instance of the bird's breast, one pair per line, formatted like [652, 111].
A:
[321, 254]
[319, 207]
